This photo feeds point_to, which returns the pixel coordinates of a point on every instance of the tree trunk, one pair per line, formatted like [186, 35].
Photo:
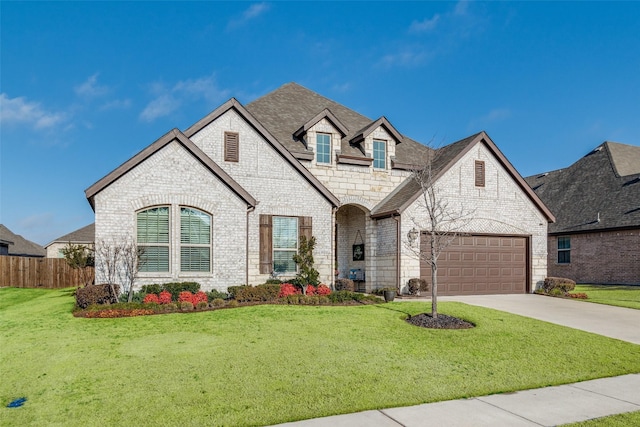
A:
[434, 280]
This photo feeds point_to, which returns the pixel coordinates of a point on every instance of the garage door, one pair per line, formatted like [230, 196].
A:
[474, 265]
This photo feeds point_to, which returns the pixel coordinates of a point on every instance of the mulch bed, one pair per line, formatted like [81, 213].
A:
[425, 320]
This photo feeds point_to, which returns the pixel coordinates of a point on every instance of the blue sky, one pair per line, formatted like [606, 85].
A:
[86, 85]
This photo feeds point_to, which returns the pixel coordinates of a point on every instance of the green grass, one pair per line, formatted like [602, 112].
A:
[622, 296]
[271, 364]
[628, 419]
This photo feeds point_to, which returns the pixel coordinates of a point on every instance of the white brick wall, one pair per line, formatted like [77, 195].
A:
[500, 207]
[174, 177]
[275, 184]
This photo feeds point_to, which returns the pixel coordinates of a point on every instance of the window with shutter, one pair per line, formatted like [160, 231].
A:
[231, 146]
[153, 239]
[279, 238]
[480, 172]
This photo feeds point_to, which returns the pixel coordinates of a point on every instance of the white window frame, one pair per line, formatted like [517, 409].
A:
[378, 160]
[195, 245]
[275, 249]
[328, 153]
[145, 244]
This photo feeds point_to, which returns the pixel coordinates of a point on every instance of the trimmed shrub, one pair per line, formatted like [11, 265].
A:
[345, 296]
[151, 289]
[185, 296]
[218, 302]
[215, 294]
[164, 297]
[233, 290]
[186, 306]
[287, 289]
[323, 290]
[260, 293]
[151, 298]
[416, 285]
[564, 284]
[170, 308]
[232, 303]
[174, 288]
[96, 294]
[273, 282]
[201, 305]
[345, 285]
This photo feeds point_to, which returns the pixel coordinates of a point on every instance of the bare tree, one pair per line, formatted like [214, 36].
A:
[440, 218]
[108, 258]
[131, 259]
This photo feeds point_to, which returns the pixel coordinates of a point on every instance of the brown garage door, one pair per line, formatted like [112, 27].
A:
[474, 265]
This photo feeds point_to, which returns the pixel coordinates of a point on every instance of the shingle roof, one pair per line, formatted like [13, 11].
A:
[20, 246]
[600, 191]
[86, 234]
[284, 111]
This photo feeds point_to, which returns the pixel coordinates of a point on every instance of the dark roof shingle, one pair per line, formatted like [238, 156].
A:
[20, 246]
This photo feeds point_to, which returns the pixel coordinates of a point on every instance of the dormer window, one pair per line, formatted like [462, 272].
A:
[323, 148]
[379, 154]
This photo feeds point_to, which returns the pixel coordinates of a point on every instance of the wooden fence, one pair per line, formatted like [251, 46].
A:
[27, 272]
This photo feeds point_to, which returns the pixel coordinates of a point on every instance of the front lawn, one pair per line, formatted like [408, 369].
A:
[622, 296]
[627, 419]
[270, 364]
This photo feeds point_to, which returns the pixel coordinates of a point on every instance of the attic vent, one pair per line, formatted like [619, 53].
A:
[479, 172]
[231, 146]
[598, 149]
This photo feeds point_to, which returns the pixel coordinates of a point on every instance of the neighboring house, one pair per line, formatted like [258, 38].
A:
[83, 236]
[226, 201]
[596, 200]
[16, 245]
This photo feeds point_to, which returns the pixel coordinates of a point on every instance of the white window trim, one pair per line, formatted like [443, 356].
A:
[373, 152]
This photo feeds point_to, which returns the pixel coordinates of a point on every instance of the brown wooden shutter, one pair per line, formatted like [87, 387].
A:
[231, 146]
[305, 226]
[266, 244]
[480, 173]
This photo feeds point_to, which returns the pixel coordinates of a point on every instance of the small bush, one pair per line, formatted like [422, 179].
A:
[151, 289]
[564, 284]
[170, 308]
[345, 285]
[323, 290]
[579, 295]
[186, 306]
[151, 298]
[556, 292]
[201, 305]
[287, 289]
[260, 293]
[417, 285]
[185, 296]
[233, 290]
[96, 294]
[345, 296]
[218, 302]
[215, 294]
[164, 297]
[273, 282]
[174, 288]
[232, 303]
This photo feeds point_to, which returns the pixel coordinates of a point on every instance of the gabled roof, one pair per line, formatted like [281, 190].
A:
[19, 246]
[324, 114]
[443, 159]
[258, 127]
[285, 110]
[173, 135]
[366, 131]
[86, 235]
[598, 192]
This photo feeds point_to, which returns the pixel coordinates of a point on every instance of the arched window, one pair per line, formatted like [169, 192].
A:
[153, 238]
[195, 240]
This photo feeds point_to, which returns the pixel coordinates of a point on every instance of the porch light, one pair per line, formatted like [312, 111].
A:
[413, 235]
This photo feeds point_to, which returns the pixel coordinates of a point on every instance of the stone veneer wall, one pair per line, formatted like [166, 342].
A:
[174, 177]
[498, 208]
[275, 184]
[607, 257]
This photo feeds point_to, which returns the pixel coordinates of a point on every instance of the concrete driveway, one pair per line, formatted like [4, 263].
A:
[615, 322]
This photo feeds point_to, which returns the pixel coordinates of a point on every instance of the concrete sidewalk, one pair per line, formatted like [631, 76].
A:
[549, 406]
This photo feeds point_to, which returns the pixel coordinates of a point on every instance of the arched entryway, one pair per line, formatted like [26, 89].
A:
[354, 243]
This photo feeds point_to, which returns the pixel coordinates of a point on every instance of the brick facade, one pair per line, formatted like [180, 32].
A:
[603, 257]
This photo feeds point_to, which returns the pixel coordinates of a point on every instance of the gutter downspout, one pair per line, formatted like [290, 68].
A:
[246, 254]
[398, 219]
[334, 249]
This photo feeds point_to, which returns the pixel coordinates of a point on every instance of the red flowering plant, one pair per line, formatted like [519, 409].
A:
[323, 290]
[185, 296]
[165, 297]
[311, 290]
[199, 297]
[287, 289]
[151, 298]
